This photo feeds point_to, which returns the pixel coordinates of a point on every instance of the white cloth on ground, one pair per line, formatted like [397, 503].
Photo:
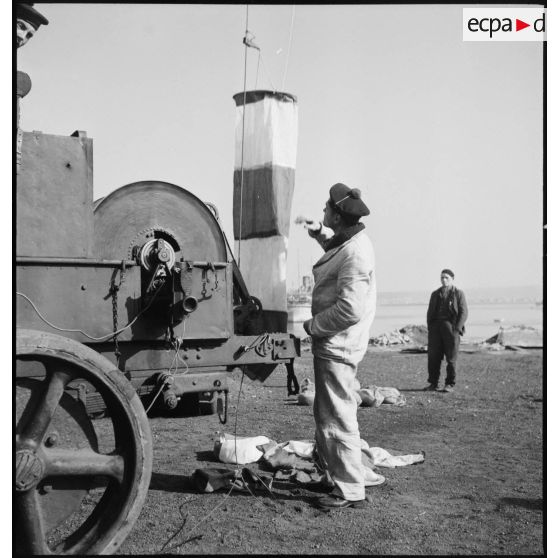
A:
[370, 396]
[244, 451]
[373, 396]
[307, 392]
[379, 457]
[250, 450]
[302, 448]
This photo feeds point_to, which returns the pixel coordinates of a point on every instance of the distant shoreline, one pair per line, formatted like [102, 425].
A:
[489, 295]
[483, 322]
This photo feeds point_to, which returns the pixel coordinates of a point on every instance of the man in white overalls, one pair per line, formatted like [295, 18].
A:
[343, 308]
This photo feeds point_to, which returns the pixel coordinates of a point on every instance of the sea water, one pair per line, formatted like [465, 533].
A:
[483, 322]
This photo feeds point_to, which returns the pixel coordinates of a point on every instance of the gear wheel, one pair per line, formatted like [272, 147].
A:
[150, 233]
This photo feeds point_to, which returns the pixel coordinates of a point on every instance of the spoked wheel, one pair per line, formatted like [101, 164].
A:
[79, 487]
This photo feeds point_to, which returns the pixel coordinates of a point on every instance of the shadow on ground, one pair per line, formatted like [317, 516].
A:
[527, 503]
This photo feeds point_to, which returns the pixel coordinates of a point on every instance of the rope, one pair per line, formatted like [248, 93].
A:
[242, 140]
[289, 49]
[188, 538]
[236, 416]
[260, 340]
[267, 74]
[177, 343]
[238, 474]
[154, 399]
[103, 337]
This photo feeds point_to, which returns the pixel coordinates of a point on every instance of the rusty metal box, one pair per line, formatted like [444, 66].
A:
[54, 196]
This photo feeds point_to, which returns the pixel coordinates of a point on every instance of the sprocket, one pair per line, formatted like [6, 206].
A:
[151, 232]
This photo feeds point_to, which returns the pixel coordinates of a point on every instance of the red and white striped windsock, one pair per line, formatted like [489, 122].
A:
[264, 171]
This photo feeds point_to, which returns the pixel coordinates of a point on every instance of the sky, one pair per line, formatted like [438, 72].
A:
[442, 136]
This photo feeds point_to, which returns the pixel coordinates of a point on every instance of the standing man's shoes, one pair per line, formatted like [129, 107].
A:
[430, 387]
[448, 389]
[331, 502]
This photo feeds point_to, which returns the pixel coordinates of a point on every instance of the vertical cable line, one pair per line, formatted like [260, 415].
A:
[241, 189]
[257, 69]
[242, 141]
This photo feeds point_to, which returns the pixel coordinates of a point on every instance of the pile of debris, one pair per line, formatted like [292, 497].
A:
[394, 337]
[514, 338]
[412, 335]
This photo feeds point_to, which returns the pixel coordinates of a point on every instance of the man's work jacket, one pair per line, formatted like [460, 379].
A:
[457, 308]
[343, 298]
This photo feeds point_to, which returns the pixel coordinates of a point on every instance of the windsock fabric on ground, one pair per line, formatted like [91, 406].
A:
[264, 173]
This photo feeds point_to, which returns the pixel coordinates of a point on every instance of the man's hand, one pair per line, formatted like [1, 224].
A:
[306, 326]
[308, 223]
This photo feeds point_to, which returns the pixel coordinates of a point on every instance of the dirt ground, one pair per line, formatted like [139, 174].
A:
[479, 491]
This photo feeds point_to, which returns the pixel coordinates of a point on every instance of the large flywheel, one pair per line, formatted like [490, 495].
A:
[80, 485]
[146, 211]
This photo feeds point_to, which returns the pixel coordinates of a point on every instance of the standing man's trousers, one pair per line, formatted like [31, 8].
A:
[442, 341]
[337, 433]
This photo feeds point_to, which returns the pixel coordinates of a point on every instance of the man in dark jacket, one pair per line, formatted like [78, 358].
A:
[446, 316]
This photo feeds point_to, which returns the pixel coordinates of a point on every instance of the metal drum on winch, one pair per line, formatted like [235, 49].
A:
[164, 227]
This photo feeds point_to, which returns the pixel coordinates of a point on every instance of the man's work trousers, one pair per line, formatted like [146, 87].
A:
[337, 433]
[442, 341]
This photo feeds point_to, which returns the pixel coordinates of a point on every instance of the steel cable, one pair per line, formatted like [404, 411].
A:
[103, 337]
[242, 139]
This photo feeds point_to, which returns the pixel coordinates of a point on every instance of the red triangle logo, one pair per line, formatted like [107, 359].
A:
[519, 25]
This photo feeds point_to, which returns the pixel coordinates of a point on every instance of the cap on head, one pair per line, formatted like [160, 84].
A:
[30, 14]
[347, 200]
[447, 272]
